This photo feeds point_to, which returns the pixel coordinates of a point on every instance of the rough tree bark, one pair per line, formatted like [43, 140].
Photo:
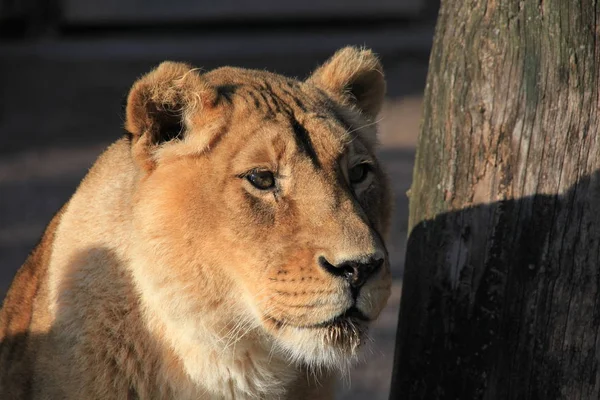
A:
[502, 285]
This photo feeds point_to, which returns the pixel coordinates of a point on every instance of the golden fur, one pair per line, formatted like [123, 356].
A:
[169, 274]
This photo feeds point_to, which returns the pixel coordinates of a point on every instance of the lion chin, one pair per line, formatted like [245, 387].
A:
[333, 345]
[230, 246]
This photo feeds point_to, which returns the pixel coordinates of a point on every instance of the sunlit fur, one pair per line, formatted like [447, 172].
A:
[169, 275]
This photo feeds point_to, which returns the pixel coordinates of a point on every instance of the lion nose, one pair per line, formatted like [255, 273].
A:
[356, 272]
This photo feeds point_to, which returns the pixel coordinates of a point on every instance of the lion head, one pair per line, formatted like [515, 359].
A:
[261, 206]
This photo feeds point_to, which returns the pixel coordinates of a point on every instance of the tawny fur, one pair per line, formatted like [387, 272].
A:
[168, 275]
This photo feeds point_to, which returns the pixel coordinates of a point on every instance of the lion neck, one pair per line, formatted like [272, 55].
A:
[233, 365]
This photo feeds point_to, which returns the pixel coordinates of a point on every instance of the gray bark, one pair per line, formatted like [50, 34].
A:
[501, 295]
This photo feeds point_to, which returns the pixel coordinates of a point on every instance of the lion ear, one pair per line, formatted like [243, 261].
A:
[160, 105]
[353, 76]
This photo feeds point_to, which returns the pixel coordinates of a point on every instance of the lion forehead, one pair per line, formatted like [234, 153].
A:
[269, 109]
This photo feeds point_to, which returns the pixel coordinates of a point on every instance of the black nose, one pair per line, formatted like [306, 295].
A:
[354, 271]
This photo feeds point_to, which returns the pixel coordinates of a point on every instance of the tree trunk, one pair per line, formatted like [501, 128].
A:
[501, 295]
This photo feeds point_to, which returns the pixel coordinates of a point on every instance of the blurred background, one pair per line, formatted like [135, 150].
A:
[66, 66]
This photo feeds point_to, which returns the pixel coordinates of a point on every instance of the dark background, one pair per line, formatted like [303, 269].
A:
[66, 66]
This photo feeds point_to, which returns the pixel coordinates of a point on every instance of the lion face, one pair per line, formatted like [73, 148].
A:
[261, 205]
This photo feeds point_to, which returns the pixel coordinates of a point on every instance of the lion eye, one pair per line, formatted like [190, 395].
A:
[263, 180]
[358, 173]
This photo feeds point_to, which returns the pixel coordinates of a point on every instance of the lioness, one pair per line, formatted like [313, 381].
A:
[230, 246]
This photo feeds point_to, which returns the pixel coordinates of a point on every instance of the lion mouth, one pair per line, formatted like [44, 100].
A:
[346, 331]
[351, 315]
